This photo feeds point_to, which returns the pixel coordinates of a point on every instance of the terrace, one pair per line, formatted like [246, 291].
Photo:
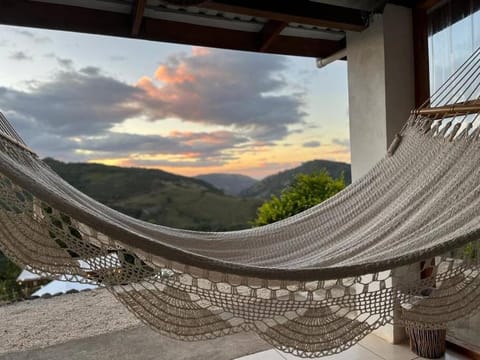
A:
[93, 325]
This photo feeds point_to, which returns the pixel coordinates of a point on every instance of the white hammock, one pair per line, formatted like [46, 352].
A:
[404, 236]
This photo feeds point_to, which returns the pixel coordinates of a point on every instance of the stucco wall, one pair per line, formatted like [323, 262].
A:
[380, 85]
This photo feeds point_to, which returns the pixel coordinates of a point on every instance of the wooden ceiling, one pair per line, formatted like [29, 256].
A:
[312, 28]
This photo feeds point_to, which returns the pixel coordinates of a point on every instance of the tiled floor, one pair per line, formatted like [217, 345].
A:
[370, 348]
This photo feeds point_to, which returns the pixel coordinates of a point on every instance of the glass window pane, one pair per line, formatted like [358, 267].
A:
[454, 34]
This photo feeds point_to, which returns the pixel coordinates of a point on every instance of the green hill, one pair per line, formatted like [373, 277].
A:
[275, 184]
[159, 197]
[231, 184]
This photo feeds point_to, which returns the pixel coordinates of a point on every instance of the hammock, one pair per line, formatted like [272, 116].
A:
[404, 239]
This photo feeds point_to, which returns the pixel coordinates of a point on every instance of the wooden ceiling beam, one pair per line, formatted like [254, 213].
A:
[236, 40]
[63, 17]
[270, 31]
[137, 15]
[298, 11]
[93, 21]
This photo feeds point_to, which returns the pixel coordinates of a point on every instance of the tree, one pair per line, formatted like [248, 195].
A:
[9, 289]
[305, 192]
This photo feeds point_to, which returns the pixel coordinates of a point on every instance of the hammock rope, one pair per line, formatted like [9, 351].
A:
[312, 285]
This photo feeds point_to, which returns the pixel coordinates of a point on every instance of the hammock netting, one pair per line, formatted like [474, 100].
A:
[402, 240]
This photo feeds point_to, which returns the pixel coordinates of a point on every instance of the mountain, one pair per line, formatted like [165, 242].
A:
[159, 197]
[231, 184]
[275, 184]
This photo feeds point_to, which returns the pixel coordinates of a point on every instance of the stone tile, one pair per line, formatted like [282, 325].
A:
[356, 352]
[386, 350]
[264, 355]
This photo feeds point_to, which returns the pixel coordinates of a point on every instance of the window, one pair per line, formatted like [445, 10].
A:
[454, 33]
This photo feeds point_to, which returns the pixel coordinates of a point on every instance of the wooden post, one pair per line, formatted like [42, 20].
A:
[420, 53]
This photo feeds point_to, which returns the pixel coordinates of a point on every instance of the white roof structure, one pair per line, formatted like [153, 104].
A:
[109, 261]
[26, 275]
[63, 286]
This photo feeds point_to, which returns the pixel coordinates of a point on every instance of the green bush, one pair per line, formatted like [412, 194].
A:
[9, 289]
[305, 192]
[472, 250]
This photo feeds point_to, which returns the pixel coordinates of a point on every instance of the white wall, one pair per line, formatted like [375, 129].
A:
[380, 84]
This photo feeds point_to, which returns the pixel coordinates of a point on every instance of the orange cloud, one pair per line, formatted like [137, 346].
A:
[145, 83]
[178, 133]
[191, 155]
[212, 138]
[200, 51]
[216, 88]
[169, 75]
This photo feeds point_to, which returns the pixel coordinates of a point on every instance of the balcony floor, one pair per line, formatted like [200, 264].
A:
[94, 326]
[370, 348]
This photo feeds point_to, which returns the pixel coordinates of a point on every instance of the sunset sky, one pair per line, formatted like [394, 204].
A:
[183, 109]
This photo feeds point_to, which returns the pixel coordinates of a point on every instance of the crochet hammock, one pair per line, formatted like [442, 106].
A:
[402, 240]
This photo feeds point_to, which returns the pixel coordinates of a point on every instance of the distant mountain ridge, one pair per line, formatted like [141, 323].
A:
[200, 203]
[159, 197]
[231, 184]
[275, 184]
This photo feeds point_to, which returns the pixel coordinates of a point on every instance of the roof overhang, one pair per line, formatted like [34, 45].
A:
[313, 28]
[292, 27]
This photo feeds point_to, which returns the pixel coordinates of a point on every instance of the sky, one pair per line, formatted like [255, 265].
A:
[183, 109]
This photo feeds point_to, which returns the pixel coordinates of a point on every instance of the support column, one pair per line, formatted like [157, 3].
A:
[381, 85]
[381, 95]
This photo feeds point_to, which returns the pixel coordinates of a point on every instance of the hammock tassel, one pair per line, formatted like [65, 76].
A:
[427, 125]
[444, 130]
[454, 131]
[395, 143]
[466, 131]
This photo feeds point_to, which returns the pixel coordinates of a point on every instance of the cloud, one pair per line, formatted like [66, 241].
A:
[199, 163]
[71, 116]
[340, 151]
[224, 88]
[200, 145]
[311, 144]
[188, 148]
[200, 51]
[25, 33]
[74, 104]
[91, 71]
[65, 63]
[20, 56]
[32, 36]
[341, 142]
[215, 88]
